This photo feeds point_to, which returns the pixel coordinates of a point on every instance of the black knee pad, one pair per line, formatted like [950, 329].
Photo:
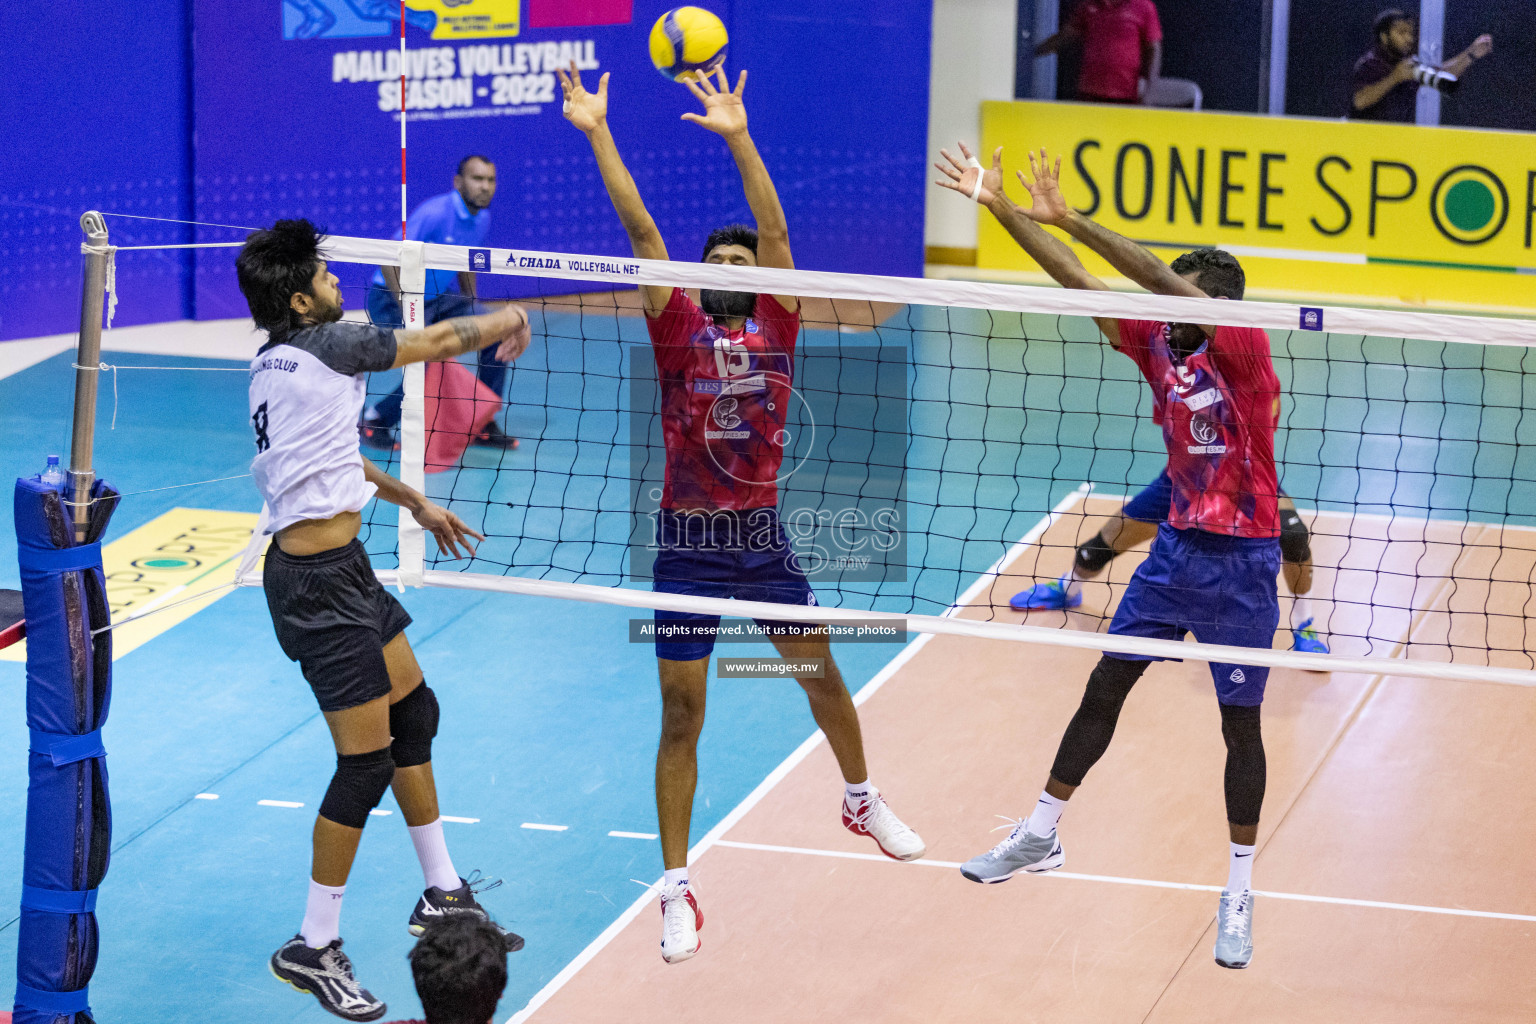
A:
[1246, 768]
[357, 787]
[1095, 554]
[1093, 726]
[1111, 683]
[1295, 541]
[413, 723]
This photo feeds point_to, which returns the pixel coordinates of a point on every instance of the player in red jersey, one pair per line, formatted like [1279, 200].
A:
[1212, 568]
[726, 371]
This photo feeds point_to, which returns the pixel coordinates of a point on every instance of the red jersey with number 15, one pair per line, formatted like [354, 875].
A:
[1218, 408]
[724, 396]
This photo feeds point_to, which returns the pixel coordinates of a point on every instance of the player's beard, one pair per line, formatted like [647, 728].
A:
[728, 305]
[327, 314]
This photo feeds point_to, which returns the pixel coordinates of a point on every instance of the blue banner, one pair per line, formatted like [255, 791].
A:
[296, 110]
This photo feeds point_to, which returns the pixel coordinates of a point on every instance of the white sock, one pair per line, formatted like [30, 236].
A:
[322, 915]
[1301, 611]
[432, 851]
[675, 876]
[1240, 869]
[853, 792]
[1042, 820]
[1073, 582]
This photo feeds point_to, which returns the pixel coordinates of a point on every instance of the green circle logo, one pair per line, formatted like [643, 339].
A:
[1469, 204]
[166, 563]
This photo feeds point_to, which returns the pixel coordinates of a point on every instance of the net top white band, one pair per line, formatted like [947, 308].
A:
[1275, 316]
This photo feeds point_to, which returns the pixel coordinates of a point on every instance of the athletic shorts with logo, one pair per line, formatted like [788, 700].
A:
[333, 617]
[1220, 588]
[743, 555]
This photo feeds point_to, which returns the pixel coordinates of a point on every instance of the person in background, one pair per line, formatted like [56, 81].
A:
[1122, 43]
[459, 217]
[460, 969]
[1384, 87]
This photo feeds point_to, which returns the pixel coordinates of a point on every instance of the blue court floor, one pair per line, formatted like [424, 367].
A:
[550, 716]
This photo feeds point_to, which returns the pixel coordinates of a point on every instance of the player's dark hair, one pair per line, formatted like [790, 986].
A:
[731, 234]
[473, 156]
[273, 265]
[460, 967]
[1386, 19]
[1219, 273]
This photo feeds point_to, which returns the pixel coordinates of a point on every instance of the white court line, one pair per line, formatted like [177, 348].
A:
[380, 812]
[461, 821]
[206, 796]
[634, 835]
[545, 828]
[881, 858]
[774, 777]
[278, 803]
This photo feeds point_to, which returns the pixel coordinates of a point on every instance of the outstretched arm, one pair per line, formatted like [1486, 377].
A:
[1480, 48]
[1134, 261]
[447, 339]
[589, 112]
[726, 115]
[1053, 255]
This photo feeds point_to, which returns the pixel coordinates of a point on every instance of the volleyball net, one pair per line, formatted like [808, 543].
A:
[947, 444]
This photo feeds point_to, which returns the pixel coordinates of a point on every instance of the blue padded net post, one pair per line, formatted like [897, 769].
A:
[69, 686]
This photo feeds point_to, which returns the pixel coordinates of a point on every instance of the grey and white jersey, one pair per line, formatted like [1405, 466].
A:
[307, 391]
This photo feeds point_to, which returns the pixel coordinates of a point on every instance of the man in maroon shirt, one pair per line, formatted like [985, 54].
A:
[1384, 86]
[1122, 44]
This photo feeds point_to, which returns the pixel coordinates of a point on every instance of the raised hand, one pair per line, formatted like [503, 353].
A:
[451, 531]
[587, 111]
[1050, 206]
[1482, 46]
[724, 113]
[969, 178]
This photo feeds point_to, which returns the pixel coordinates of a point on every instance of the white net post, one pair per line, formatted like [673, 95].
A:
[413, 418]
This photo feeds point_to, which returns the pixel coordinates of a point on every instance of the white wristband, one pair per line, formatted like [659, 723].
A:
[976, 191]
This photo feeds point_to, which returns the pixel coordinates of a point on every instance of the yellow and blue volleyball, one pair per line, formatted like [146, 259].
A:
[687, 42]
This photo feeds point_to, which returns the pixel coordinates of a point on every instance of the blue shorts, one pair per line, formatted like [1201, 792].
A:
[1152, 502]
[741, 555]
[1220, 588]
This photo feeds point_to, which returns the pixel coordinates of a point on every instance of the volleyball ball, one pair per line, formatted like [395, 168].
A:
[687, 42]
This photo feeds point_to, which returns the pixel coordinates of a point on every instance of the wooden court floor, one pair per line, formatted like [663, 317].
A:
[1394, 868]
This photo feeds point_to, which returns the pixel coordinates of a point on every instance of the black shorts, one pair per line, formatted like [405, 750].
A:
[333, 617]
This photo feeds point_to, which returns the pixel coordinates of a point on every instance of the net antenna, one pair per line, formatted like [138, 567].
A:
[403, 209]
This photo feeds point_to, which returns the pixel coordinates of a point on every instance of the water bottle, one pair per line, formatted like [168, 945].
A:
[53, 476]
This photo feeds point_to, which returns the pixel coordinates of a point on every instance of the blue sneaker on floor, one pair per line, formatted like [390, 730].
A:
[1046, 595]
[1307, 639]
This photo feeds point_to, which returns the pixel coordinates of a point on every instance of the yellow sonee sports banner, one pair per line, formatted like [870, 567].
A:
[1331, 210]
[185, 553]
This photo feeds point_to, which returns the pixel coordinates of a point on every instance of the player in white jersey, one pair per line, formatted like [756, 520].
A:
[331, 614]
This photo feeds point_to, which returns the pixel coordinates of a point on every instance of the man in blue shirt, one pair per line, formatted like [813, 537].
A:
[460, 217]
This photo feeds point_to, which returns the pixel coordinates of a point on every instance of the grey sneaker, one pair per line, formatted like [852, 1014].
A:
[1021, 851]
[1234, 929]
